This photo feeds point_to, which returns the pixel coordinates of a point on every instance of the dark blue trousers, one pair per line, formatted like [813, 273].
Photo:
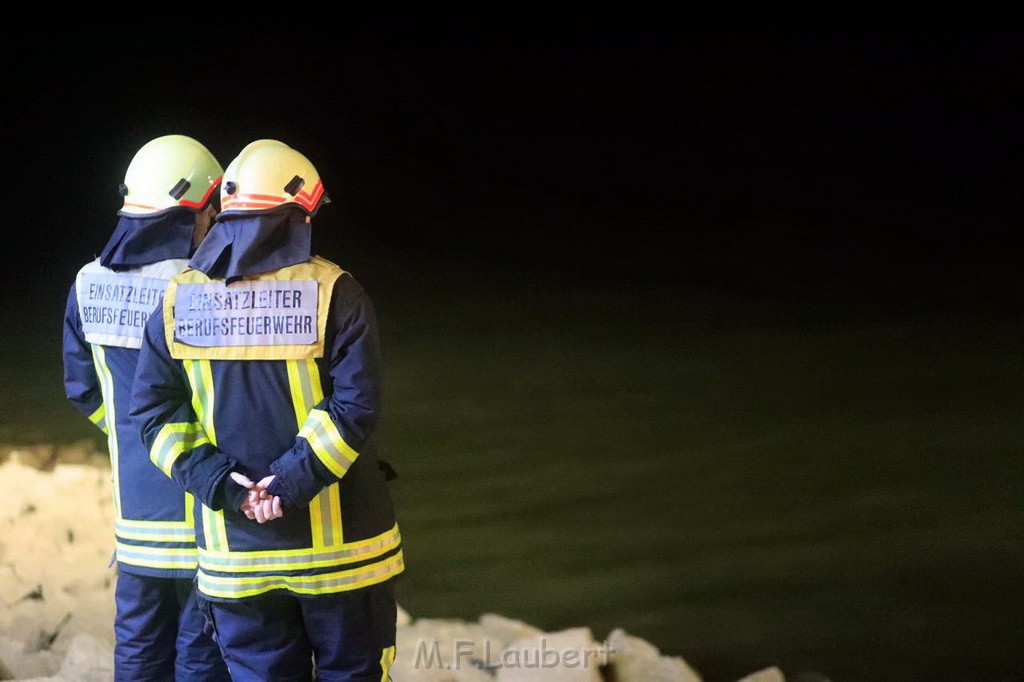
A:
[279, 637]
[159, 633]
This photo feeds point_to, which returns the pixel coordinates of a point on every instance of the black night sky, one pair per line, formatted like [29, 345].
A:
[848, 155]
[834, 161]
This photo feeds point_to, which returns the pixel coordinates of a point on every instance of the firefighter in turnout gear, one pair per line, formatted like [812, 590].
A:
[258, 391]
[170, 192]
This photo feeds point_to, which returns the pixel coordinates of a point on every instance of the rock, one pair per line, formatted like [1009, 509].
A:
[41, 456]
[662, 669]
[623, 644]
[772, 674]
[19, 663]
[88, 659]
[506, 630]
[411, 667]
[566, 656]
[402, 674]
[445, 644]
[82, 452]
[35, 594]
[403, 617]
[423, 652]
[636, 660]
[472, 675]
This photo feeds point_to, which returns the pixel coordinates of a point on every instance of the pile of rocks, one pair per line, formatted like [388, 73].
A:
[491, 649]
[499, 649]
[57, 603]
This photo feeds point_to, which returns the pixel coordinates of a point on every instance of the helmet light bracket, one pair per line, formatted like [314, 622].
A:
[179, 189]
[294, 185]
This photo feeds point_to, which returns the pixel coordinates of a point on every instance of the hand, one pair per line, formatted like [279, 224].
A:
[259, 505]
[244, 481]
[265, 509]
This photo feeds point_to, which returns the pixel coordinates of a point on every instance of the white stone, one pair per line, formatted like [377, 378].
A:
[423, 652]
[623, 644]
[19, 663]
[432, 638]
[662, 669]
[637, 660]
[89, 659]
[772, 674]
[565, 656]
[506, 630]
[465, 674]
[407, 668]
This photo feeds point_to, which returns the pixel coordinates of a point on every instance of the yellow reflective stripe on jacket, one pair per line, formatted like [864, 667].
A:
[325, 439]
[299, 559]
[325, 508]
[99, 359]
[155, 531]
[320, 270]
[214, 530]
[156, 557]
[99, 417]
[174, 440]
[387, 659]
[325, 583]
[160, 531]
[325, 517]
[333, 536]
[200, 379]
[304, 384]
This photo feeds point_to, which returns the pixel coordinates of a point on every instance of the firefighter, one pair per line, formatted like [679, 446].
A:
[171, 197]
[265, 366]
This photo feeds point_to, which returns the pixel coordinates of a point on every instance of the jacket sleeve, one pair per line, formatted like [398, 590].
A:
[81, 384]
[340, 425]
[161, 408]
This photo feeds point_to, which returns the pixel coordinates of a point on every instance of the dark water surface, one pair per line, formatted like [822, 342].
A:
[742, 481]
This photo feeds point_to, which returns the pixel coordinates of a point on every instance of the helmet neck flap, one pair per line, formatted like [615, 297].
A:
[240, 245]
[141, 240]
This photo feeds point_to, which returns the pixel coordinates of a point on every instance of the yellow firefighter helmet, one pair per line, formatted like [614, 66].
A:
[267, 175]
[170, 172]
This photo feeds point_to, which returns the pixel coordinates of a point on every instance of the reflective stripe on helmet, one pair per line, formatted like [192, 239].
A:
[267, 175]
